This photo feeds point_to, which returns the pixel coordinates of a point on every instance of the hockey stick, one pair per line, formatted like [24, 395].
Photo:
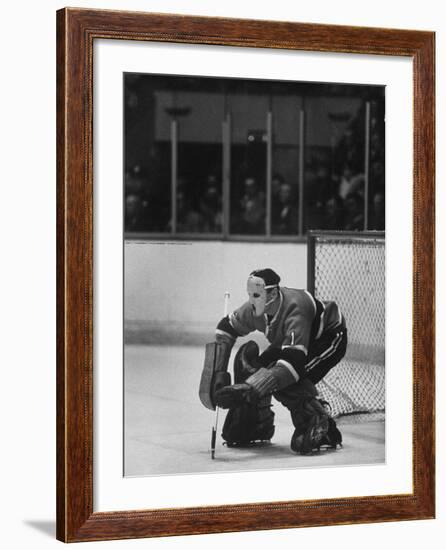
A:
[214, 427]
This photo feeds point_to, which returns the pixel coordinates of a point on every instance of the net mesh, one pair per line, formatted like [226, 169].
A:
[351, 271]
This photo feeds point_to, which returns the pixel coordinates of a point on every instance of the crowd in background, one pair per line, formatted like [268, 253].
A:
[333, 194]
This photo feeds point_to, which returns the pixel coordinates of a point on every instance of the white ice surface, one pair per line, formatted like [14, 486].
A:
[167, 430]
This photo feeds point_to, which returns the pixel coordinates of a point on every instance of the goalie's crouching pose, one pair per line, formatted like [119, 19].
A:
[307, 338]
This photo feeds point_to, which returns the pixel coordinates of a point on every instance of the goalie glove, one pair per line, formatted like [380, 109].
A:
[263, 381]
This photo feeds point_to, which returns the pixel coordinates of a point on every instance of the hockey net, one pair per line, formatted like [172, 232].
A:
[349, 268]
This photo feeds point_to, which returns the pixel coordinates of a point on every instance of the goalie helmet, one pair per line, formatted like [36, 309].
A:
[260, 282]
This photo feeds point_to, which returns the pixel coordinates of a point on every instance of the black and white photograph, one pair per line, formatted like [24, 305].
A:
[254, 274]
[223, 264]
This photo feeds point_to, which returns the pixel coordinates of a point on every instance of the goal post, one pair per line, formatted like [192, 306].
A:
[349, 268]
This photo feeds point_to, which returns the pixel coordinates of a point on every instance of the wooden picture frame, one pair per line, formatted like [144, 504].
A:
[77, 29]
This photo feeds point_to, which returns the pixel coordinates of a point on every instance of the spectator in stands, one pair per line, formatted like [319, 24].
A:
[354, 212]
[319, 187]
[211, 206]
[137, 215]
[286, 217]
[276, 182]
[134, 181]
[351, 182]
[377, 220]
[188, 219]
[312, 205]
[333, 213]
[377, 175]
[134, 214]
[324, 186]
[350, 147]
[252, 208]
[377, 151]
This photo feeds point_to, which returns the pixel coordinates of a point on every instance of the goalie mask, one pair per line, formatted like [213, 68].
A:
[258, 289]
